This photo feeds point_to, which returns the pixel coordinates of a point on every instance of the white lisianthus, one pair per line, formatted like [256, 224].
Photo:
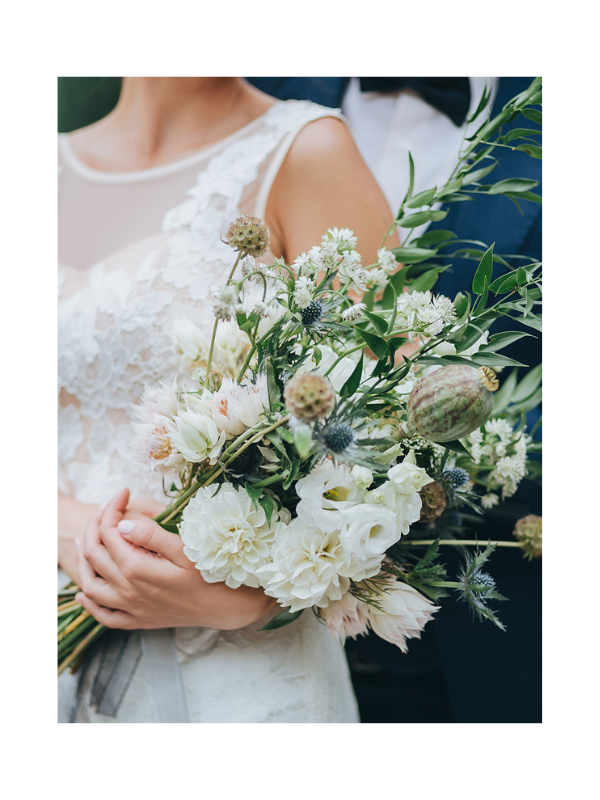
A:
[368, 530]
[226, 536]
[363, 476]
[402, 615]
[196, 436]
[346, 618]
[325, 493]
[306, 566]
[400, 493]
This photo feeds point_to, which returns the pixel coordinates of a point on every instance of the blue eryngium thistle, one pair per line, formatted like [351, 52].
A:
[313, 313]
[477, 587]
[456, 477]
[338, 437]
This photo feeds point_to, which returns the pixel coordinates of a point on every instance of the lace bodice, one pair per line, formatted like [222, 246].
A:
[139, 251]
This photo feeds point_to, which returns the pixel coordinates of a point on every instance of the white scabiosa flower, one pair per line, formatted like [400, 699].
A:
[325, 493]
[196, 436]
[226, 536]
[353, 313]
[402, 615]
[346, 618]
[306, 567]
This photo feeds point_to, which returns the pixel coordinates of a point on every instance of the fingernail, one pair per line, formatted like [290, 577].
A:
[78, 544]
[125, 526]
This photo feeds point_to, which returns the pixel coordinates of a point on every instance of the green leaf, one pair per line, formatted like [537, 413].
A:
[457, 446]
[533, 150]
[283, 618]
[412, 255]
[518, 133]
[532, 114]
[375, 343]
[514, 185]
[478, 174]
[462, 303]
[528, 385]
[353, 382]
[272, 387]
[484, 270]
[434, 237]
[431, 361]
[427, 280]
[414, 220]
[254, 493]
[169, 526]
[379, 323]
[504, 284]
[495, 360]
[388, 299]
[500, 340]
[504, 395]
[421, 199]
[411, 183]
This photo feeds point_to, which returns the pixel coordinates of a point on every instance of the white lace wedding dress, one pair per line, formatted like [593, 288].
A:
[138, 251]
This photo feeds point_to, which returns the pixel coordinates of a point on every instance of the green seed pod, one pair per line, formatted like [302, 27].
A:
[451, 402]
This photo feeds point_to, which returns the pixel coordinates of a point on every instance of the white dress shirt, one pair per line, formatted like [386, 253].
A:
[386, 127]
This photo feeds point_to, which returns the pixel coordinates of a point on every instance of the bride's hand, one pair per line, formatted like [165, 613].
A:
[136, 576]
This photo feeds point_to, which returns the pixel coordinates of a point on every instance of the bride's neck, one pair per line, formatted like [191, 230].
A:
[158, 120]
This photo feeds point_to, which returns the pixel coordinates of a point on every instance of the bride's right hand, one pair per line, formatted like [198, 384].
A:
[74, 518]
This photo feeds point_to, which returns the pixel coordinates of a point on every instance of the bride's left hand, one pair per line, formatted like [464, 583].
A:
[137, 576]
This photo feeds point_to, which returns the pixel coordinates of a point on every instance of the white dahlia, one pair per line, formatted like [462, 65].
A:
[226, 536]
[306, 566]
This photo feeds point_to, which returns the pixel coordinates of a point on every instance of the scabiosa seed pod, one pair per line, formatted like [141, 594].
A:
[312, 313]
[528, 531]
[338, 437]
[309, 397]
[433, 500]
[249, 235]
[451, 402]
[456, 477]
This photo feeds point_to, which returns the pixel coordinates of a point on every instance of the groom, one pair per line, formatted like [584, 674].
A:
[460, 671]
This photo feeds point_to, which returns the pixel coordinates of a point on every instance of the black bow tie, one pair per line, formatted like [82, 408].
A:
[451, 96]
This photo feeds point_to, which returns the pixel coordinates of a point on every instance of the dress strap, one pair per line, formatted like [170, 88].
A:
[318, 112]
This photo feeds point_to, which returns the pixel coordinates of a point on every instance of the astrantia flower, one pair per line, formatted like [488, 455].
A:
[303, 292]
[376, 278]
[387, 260]
[402, 615]
[224, 301]
[354, 312]
[226, 535]
[489, 500]
[343, 238]
[196, 436]
[306, 566]
[346, 618]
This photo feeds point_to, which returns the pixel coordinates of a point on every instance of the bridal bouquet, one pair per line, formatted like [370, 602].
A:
[322, 441]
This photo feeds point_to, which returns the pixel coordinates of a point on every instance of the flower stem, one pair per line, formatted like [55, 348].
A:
[214, 331]
[81, 646]
[464, 542]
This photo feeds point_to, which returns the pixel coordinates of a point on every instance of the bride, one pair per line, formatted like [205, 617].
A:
[145, 195]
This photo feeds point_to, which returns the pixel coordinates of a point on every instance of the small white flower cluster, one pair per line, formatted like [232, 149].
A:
[387, 260]
[497, 446]
[303, 292]
[420, 313]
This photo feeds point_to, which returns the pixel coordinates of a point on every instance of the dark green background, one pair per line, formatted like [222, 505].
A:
[82, 101]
